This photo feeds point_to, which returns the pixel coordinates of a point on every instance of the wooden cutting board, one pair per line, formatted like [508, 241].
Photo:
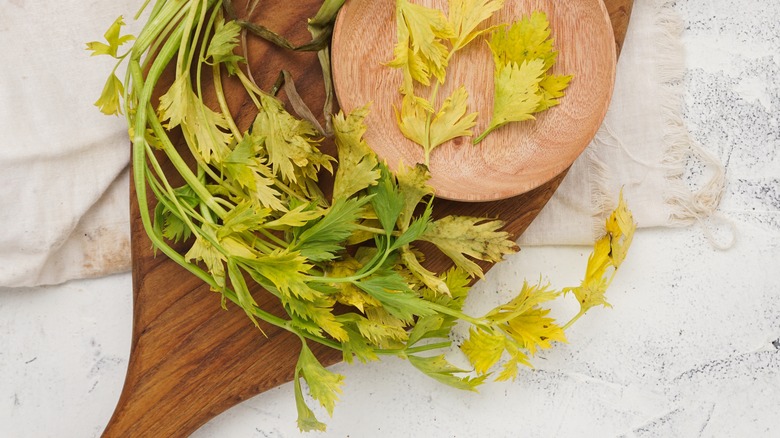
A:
[190, 360]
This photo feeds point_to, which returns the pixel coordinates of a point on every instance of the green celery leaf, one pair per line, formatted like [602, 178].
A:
[327, 236]
[396, 296]
[387, 200]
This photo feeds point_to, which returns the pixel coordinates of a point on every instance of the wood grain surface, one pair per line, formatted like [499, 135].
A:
[511, 160]
[190, 360]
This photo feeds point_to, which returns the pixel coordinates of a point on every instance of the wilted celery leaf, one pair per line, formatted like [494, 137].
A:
[222, 44]
[457, 282]
[438, 368]
[325, 238]
[420, 51]
[206, 129]
[348, 293]
[113, 39]
[591, 293]
[620, 227]
[461, 236]
[466, 15]
[357, 347]
[238, 283]
[413, 183]
[607, 256]
[324, 386]
[412, 120]
[428, 278]
[357, 163]
[516, 358]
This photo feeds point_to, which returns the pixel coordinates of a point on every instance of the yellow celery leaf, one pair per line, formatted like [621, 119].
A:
[533, 329]
[413, 183]
[223, 43]
[244, 167]
[466, 15]
[420, 50]
[109, 101]
[551, 89]
[382, 329]
[297, 217]
[516, 94]
[529, 297]
[307, 421]
[591, 293]
[483, 349]
[516, 358]
[357, 163]
[438, 368]
[286, 271]
[608, 254]
[324, 385]
[451, 121]
[291, 144]
[621, 227]
[525, 40]
[428, 278]
[202, 250]
[348, 294]
[206, 130]
[412, 64]
[412, 120]
[314, 316]
[113, 39]
[600, 259]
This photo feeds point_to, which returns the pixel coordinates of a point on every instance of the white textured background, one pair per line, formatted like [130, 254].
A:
[691, 348]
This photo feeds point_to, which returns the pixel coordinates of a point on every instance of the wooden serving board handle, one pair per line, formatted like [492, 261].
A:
[190, 360]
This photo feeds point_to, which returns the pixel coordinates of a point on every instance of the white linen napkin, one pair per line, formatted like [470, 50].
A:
[63, 165]
[642, 148]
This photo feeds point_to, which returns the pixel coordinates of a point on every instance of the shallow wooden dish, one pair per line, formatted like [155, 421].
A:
[512, 160]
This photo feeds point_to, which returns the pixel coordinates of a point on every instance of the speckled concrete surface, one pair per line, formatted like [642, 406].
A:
[691, 347]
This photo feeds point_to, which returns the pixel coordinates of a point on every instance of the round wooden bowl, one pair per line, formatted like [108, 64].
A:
[513, 159]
